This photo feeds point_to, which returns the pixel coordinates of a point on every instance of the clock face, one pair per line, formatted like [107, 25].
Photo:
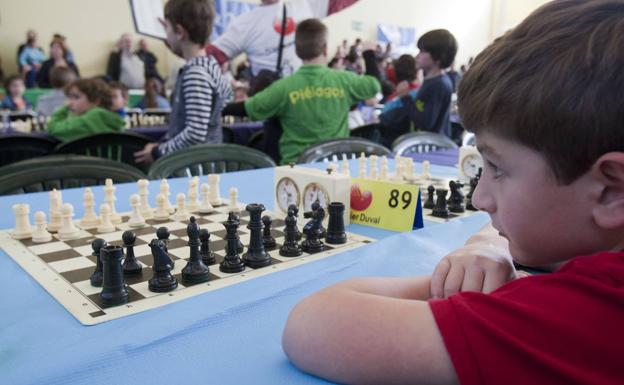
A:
[312, 193]
[471, 164]
[287, 194]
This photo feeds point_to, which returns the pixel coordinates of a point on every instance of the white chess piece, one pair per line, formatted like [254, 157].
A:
[398, 168]
[41, 234]
[409, 169]
[425, 167]
[146, 211]
[373, 166]
[164, 189]
[181, 214]
[68, 230]
[383, 173]
[55, 210]
[234, 207]
[90, 219]
[22, 228]
[213, 182]
[344, 167]
[205, 207]
[136, 219]
[162, 213]
[106, 226]
[362, 166]
[193, 194]
[109, 199]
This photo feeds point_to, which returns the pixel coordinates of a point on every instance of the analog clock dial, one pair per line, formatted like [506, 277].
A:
[471, 164]
[287, 194]
[312, 193]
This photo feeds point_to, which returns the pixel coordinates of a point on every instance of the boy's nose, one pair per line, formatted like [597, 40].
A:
[482, 199]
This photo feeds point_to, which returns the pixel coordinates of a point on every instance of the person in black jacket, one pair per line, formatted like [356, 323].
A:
[58, 58]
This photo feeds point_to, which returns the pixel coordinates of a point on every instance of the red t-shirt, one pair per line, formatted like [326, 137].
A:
[562, 328]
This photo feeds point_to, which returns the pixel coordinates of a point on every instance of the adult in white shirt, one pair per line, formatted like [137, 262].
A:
[126, 66]
[257, 33]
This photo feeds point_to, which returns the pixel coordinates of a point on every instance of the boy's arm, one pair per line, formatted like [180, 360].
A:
[64, 126]
[269, 102]
[369, 331]
[360, 87]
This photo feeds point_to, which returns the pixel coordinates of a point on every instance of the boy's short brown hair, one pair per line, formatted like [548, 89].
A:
[441, 45]
[96, 91]
[60, 77]
[114, 85]
[554, 84]
[195, 16]
[405, 68]
[310, 39]
[9, 80]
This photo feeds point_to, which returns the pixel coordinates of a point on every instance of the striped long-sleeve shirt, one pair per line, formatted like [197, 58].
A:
[200, 93]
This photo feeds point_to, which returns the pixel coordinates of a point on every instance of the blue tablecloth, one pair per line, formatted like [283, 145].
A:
[442, 157]
[228, 336]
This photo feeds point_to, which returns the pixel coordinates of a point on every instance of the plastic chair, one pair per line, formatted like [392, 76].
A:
[205, 159]
[118, 146]
[419, 142]
[17, 147]
[337, 149]
[62, 172]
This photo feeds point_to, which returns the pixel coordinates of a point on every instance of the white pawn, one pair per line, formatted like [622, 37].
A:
[409, 169]
[68, 230]
[90, 219]
[213, 182]
[146, 211]
[109, 199]
[164, 189]
[205, 207]
[22, 228]
[234, 200]
[41, 234]
[106, 226]
[373, 166]
[383, 174]
[362, 166]
[344, 167]
[398, 171]
[181, 214]
[55, 210]
[193, 194]
[162, 213]
[136, 219]
[425, 167]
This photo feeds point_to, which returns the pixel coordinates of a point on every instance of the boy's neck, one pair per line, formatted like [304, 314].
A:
[192, 50]
[436, 71]
[319, 60]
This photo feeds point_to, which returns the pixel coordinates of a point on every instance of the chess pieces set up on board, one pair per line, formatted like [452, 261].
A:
[35, 123]
[457, 203]
[140, 120]
[377, 168]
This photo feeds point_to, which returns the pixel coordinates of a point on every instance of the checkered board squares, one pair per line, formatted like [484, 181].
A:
[63, 268]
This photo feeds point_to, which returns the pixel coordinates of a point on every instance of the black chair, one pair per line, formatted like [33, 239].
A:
[421, 141]
[118, 146]
[16, 147]
[369, 131]
[336, 149]
[206, 159]
[62, 172]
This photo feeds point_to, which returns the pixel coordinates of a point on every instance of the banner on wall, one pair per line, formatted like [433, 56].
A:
[403, 39]
[226, 11]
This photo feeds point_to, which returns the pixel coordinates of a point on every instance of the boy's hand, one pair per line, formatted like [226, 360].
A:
[145, 155]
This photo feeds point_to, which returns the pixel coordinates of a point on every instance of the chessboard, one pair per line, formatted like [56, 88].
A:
[431, 186]
[63, 268]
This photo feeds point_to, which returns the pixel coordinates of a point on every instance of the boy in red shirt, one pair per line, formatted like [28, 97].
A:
[543, 103]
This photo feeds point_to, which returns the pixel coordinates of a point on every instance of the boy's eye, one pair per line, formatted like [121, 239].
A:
[497, 171]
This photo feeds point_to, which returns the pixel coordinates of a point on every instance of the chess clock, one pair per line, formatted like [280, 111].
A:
[303, 186]
[470, 161]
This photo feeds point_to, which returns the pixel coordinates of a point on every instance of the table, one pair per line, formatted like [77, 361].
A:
[229, 336]
[33, 95]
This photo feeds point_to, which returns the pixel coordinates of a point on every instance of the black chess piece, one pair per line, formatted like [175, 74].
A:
[291, 247]
[295, 211]
[114, 290]
[162, 281]
[131, 265]
[232, 263]
[473, 185]
[336, 234]
[430, 202]
[96, 277]
[195, 271]
[267, 238]
[456, 200]
[232, 215]
[440, 210]
[315, 206]
[208, 256]
[163, 234]
[313, 231]
[256, 256]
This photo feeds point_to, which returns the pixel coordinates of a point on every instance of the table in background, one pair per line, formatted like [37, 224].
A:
[448, 157]
[228, 336]
[33, 94]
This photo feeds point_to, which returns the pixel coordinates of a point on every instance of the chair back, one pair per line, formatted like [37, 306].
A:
[206, 159]
[16, 147]
[421, 141]
[117, 146]
[62, 172]
[337, 149]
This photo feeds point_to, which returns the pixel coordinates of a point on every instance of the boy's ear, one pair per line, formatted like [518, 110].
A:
[179, 29]
[608, 170]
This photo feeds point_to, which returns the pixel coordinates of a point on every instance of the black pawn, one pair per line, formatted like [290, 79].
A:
[267, 238]
[256, 256]
[232, 263]
[208, 256]
[114, 290]
[131, 265]
[336, 234]
[291, 247]
[456, 201]
[295, 211]
[430, 202]
[195, 271]
[162, 281]
[96, 277]
[233, 216]
[163, 234]
[440, 210]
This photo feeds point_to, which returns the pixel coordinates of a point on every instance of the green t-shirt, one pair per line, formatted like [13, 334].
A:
[312, 104]
[65, 127]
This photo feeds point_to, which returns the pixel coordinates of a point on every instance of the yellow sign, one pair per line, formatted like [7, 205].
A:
[385, 204]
